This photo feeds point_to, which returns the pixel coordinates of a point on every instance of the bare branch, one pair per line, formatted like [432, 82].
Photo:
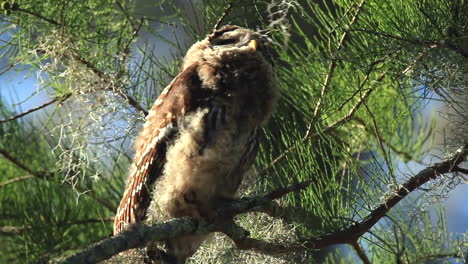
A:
[353, 232]
[131, 101]
[462, 170]
[405, 155]
[381, 144]
[9, 67]
[59, 99]
[51, 21]
[127, 16]
[224, 15]
[126, 49]
[139, 235]
[331, 70]
[17, 179]
[280, 192]
[360, 252]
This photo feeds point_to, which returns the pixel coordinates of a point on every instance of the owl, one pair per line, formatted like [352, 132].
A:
[201, 135]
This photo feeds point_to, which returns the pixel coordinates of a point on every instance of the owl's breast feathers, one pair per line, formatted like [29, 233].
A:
[198, 140]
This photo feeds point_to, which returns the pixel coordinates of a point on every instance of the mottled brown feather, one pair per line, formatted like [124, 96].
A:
[176, 99]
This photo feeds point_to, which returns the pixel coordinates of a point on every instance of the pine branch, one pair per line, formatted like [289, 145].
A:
[224, 15]
[17, 162]
[331, 69]
[59, 99]
[364, 96]
[14, 230]
[361, 253]
[9, 67]
[352, 233]
[51, 21]
[17, 179]
[139, 235]
[47, 175]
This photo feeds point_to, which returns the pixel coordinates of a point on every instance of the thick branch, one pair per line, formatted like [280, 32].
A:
[361, 253]
[140, 235]
[351, 234]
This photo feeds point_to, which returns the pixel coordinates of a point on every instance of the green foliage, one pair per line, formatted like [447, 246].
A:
[355, 77]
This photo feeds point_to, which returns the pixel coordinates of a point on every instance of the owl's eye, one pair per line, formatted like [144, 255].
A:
[226, 42]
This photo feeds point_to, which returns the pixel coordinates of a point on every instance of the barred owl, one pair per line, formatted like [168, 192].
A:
[201, 135]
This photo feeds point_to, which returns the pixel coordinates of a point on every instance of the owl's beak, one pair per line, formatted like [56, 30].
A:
[253, 44]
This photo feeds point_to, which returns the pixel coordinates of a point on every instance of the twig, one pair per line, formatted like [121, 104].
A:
[331, 70]
[329, 128]
[59, 99]
[126, 49]
[9, 67]
[14, 230]
[360, 252]
[139, 235]
[458, 169]
[39, 16]
[45, 175]
[106, 203]
[366, 77]
[352, 233]
[280, 192]
[15, 161]
[127, 16]
[107, 80]
[223, 16]
[379, 139]
[406, 155]
[17, 179]
[131, 101]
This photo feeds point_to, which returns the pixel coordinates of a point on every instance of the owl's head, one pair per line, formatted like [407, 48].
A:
[234, 37]
[229, 40]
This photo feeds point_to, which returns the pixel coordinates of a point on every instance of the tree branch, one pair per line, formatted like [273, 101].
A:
[14, 230]
[46, 175]
[223, 16]
[139, 235]
[51, 21]
[331, 70]
[15, 161]
[58, 99]
[17, 179]
[361, 253]
[309, 135]
[353, 232]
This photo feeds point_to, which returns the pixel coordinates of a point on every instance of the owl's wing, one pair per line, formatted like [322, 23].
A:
[180, 97]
